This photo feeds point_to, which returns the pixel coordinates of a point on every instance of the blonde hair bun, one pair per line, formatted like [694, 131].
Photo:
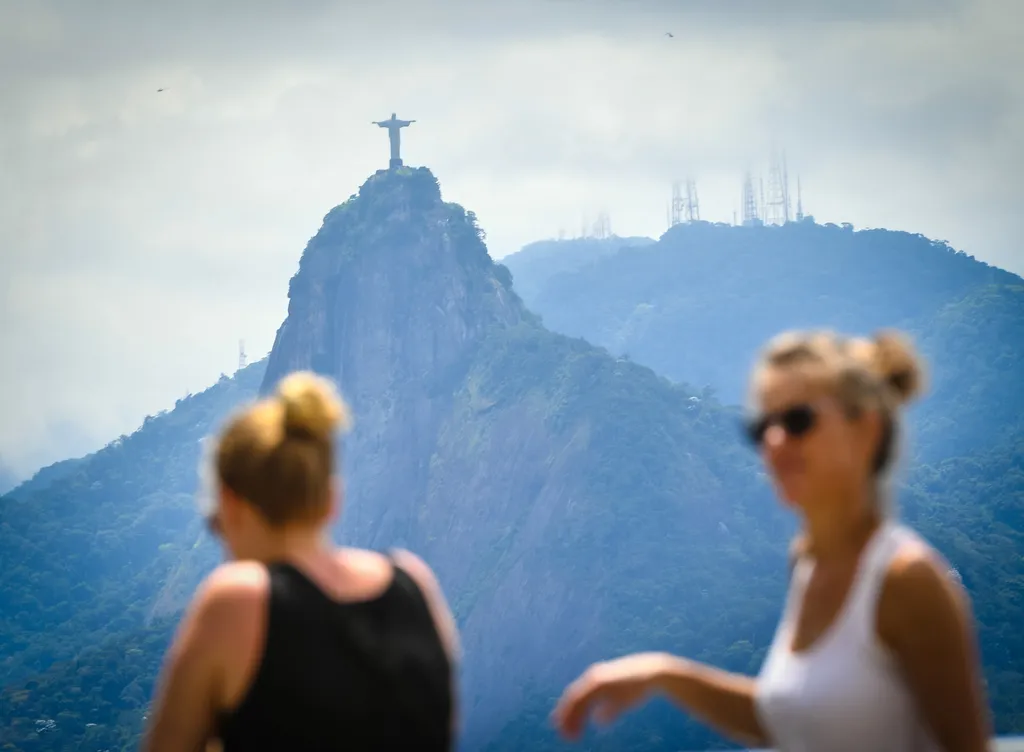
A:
[896, 361]
[312, 406]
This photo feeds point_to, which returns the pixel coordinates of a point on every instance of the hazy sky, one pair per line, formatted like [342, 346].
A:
[143, 234]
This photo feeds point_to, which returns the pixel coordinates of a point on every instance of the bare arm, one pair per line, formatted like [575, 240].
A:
[718, 698]
[183, 708]
[191, 687]
[926, 620]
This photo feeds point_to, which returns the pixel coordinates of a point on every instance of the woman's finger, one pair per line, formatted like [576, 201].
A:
[571, 711]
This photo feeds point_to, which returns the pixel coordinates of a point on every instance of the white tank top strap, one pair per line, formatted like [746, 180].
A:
[862, 609]
[858, 613]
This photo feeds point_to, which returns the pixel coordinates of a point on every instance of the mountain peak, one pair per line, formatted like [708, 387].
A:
[411, 183]
[396, 282]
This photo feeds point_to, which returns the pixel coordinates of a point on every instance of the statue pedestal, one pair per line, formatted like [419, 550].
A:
[394, 164]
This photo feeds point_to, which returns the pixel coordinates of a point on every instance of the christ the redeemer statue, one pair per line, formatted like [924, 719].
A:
[394, 126]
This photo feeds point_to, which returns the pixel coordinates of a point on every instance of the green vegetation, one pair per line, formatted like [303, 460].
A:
[699, 303]
[575, 505]
[87, 549]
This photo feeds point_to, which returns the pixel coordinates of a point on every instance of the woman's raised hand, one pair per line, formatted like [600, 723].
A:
[607, 690]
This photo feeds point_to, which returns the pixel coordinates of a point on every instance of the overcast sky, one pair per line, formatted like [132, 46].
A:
[143, 234]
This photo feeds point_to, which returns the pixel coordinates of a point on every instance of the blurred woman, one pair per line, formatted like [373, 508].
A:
[875, 649]
[296, 644]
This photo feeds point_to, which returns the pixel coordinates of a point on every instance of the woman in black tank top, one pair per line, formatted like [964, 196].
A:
[296, 645]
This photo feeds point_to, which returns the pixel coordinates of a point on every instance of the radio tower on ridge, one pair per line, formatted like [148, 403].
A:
[691, 209]
[675, 209]
[685, 207]
[777, 204]
[751, 218]
[242, 360]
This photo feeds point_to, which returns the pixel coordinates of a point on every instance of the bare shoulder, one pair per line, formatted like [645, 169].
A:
[918, 571]
[237, 577]
[417, 569]
[237, 586]
[918, 589]
[364, 562]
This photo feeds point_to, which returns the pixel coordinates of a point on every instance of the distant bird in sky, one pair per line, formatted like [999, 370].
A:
[159, 90]
[669, 34]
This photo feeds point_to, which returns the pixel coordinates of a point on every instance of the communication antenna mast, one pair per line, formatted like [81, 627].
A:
[691, 209]
[750, 213]
[799, 202]
[785, 185]
[603, 225]
[242, 360]
[684, 207]
[777, 205]
[677, 206]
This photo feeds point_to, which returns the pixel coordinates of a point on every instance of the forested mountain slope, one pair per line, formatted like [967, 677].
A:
[565, 498]
[575, 505]
[697, 305]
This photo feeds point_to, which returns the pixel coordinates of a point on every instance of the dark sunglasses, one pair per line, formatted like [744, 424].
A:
[795, 421]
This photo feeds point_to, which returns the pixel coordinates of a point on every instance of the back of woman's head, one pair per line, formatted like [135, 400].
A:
[278, 454]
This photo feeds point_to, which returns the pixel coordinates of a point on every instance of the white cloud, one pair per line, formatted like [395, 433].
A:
[144, 233]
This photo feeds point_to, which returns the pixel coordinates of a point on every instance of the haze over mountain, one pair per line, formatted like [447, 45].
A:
[698, 304]
[145, 233]
[574, 504]
[508, 456]
[8, 479]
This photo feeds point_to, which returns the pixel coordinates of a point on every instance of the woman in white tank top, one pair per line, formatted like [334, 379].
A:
[875, 650]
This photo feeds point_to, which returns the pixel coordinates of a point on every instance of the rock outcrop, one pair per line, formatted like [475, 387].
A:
[536, 473]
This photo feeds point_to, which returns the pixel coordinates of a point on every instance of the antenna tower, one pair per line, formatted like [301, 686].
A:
[750, 213]
[242, 360]
[684, 207]
[777, 204]
[799, 202]
[692, 208]
[603, 225]
[677, 205]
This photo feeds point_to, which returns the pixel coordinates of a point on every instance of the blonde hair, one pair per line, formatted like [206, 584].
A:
[883, 372]
[278, 454]
[879, 373]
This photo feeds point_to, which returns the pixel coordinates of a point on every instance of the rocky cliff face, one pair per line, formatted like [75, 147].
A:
[495, 449]
[392, 296]
[574, 505]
